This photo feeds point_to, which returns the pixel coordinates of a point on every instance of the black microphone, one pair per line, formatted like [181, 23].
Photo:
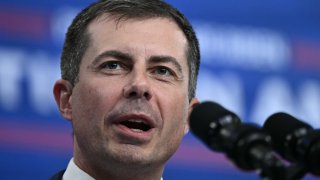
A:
[245, 144]
[295, 140]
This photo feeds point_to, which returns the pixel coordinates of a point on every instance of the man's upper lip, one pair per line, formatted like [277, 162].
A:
[143, 117]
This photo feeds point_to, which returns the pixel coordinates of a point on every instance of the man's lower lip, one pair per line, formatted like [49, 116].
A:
[134, 134]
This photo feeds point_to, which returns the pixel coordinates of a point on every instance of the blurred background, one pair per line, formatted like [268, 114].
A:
[258, 58]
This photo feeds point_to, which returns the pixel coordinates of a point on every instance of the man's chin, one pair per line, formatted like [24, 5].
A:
[133, 156]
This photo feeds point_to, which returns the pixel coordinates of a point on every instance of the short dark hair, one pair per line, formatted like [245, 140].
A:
[77, 39]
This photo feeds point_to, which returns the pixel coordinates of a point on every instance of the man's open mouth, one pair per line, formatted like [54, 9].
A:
[136, 125]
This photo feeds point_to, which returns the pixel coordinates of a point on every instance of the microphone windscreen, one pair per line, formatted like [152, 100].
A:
[280, 125]
[203, 115]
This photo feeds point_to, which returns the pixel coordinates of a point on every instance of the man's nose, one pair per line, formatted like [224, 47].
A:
[138, 87]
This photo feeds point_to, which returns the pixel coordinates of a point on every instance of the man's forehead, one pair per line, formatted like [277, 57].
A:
[102, 23]
[107, 22]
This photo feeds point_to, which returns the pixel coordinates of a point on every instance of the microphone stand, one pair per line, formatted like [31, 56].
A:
[271, 167]
[251, 149]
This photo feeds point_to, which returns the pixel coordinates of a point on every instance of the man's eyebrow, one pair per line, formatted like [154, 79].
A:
[166, 59]
[111, 53]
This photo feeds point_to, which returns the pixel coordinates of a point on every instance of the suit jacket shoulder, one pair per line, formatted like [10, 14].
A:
[58, 176]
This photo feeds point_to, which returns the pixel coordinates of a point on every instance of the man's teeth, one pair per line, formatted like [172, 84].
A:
[137, 121]
[137, 130]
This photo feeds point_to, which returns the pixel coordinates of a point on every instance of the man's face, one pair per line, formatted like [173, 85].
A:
[130, 105]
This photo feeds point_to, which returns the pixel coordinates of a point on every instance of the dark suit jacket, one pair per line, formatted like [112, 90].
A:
[58, 176]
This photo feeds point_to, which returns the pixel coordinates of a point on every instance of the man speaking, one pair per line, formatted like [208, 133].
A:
[129, 70]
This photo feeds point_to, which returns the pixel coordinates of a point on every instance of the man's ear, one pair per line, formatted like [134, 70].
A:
[62, 92]
[193, 103]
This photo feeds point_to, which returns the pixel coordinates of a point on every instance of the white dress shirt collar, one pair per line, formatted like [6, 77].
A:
[74, 172]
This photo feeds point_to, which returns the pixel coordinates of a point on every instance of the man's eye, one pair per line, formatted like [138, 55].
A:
[111, 65]
[163, 71]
